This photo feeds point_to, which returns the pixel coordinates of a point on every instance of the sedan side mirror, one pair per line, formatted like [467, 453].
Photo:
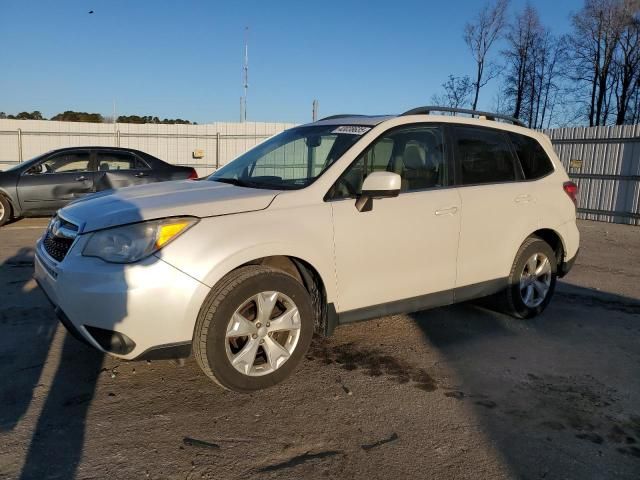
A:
[378, 185]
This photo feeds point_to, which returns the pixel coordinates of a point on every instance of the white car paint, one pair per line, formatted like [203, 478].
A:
[415, 244]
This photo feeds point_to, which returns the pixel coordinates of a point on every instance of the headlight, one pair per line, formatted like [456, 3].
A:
[134, 242]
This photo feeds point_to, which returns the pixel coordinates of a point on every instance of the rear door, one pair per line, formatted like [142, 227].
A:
[539, 184]
[117, 169]
[55, 181]
[498, 208]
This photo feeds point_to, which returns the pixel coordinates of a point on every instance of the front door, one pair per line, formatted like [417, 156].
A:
[401, 255]
[55, 181]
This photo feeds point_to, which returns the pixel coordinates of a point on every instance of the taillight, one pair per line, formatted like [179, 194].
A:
[571, 189]
[193, 175]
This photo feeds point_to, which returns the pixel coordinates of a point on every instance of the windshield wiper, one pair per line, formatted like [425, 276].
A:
[261, 185]
[235, 181]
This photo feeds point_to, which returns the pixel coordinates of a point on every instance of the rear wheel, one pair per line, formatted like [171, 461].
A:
[5, 210]
[532, 280]
[254, 328]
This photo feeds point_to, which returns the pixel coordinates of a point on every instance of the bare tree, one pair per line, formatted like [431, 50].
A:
[457, 91]
[552, 54]
[520, 39]
[596, 34]
[627, 63]
[480, 34]
[533, 60]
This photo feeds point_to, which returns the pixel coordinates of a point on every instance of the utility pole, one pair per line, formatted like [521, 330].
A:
[245, 77]
[115, 126]
[314, 111]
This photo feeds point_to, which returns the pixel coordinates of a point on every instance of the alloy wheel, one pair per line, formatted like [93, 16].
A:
[535, 280]
[262, 333]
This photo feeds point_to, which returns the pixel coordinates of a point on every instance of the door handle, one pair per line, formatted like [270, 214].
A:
[81, 178]
[140, 175]
[447, 211]
[526, 198]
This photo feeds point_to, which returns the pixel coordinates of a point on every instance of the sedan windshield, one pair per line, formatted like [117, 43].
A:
[27, 164]
[292, 159]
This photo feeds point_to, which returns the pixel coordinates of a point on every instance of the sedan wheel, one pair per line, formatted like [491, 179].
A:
[5, 211]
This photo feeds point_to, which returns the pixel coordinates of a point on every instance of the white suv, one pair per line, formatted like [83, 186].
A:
[345, 219]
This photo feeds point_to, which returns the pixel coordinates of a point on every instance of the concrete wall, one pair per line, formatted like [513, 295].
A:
[604, 161]
[221, 142]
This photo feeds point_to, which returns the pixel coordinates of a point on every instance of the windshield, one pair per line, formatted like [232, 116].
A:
[27, 163]
[292, 159]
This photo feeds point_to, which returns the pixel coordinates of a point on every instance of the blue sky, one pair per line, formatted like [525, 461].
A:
[183, 59]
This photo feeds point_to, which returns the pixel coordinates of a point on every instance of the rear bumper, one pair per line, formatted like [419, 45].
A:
[567, 265]
[571, 245]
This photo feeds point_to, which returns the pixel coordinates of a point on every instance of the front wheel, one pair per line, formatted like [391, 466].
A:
[253, 329]
[532, 280]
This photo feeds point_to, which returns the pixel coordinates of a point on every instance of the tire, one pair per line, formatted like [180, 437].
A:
[215, 350]
[5, 210]
[513, 300]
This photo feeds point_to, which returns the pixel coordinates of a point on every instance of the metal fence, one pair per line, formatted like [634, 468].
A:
[605, 163]
[205, 147]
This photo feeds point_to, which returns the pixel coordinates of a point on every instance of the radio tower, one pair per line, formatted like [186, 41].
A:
[245, 77]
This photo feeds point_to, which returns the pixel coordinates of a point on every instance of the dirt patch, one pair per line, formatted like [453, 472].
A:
[372, 362]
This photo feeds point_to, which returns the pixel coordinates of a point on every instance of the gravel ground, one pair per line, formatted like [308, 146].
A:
[457, 392]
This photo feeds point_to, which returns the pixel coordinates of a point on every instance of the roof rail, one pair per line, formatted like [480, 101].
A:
[489, 116]
[342, 115]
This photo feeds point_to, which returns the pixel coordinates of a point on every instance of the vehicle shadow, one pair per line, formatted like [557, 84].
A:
[28, 327]
[551, 393]
[25, 319]
[31, 347]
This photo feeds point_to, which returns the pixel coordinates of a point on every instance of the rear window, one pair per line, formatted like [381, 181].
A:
[484, 156]
[534, 160]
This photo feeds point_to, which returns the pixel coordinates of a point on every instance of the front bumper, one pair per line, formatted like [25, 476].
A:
[125, 310]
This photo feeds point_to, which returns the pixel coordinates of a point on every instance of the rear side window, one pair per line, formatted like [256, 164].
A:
[108, 161]
[534, 160]
[484, 156]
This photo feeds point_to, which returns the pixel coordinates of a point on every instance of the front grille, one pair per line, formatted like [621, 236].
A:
[56, 247]
[59, 238]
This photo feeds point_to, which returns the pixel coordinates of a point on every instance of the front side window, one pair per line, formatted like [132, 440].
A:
[292, 159]
[68, 162]
[534, 160]
[414, 153]
[483, 156]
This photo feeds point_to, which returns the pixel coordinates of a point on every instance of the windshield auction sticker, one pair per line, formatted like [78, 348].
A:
[352, 130]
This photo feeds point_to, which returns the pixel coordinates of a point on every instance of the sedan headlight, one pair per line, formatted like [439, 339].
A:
[130, 243]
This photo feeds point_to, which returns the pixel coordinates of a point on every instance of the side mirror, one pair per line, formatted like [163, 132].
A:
[378, 185]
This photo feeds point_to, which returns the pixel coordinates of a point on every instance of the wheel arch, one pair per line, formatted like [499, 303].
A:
[15, 210]
[555, 241]
[316, 282]
[308, 275]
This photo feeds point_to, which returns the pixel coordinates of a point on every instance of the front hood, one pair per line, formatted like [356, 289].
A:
[165, 199]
